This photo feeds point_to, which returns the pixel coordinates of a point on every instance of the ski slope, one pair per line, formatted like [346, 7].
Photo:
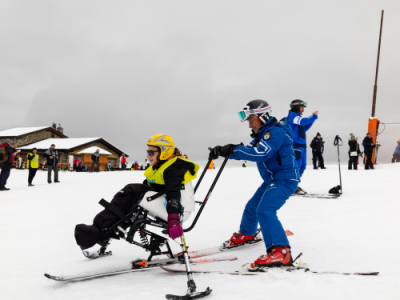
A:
[357, 232]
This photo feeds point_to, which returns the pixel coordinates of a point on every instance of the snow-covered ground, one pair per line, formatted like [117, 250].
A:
[357, 232]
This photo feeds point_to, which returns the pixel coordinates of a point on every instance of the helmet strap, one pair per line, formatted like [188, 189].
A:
[264, 118]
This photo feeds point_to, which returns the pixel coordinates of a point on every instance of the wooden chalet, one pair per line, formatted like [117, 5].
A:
[43, 137]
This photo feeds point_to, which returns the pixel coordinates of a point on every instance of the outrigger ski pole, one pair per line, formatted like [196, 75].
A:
[209, 191]
[191, 292]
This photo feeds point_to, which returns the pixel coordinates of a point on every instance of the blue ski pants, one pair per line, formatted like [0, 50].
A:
[261, 209]
[302, 162]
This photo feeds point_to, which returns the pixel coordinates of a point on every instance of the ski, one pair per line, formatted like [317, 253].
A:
[320, 196]
[297, 266]
[288, 269]
[183, 271]
[141, 265]
[87, 277]
[345, 273]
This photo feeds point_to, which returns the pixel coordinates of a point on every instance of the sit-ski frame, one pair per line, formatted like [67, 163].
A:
[137, 220]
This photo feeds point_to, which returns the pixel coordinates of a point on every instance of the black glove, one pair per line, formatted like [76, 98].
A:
[227, 150]
[214, 152]
[222, 151]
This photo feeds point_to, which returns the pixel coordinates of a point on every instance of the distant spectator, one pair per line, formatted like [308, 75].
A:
[33, 165]
[354, 152]
[396, 154]
[322, 153]
[369, 146]
[95, 160]
[76, 164]
[244, 165]
[317, 146]
[51, 156]
[81, 166]
[146, 164]
[19, 162]
[9, 153]
[109, 166]
[123, 162]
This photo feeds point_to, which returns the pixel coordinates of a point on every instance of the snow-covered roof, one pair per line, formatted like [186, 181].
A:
[60, 143]
[92, 150]
[66, 144]
[21, 130]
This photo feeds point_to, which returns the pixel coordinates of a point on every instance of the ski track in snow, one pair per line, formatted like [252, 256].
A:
[357, 232]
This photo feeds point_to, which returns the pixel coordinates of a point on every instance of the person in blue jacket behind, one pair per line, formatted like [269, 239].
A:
[272, 150]
[300, 126]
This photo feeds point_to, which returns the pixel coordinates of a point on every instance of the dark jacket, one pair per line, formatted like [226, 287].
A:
[367, 144]
[173, 177]
[354, 147]
[10, 150]
[50, 161]
[95, 158]
[317, 145]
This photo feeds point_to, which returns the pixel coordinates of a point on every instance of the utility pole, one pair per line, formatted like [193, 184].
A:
[377, 69]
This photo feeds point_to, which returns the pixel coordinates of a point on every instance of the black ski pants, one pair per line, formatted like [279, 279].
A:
[368, 164]
[32, 173]
[55, 170]
[318, 156]
[92, 167]
[5, 173]
[353, 162]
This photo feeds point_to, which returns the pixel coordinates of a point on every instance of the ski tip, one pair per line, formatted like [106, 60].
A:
[368, 273]
[288, 232]
[50, 276]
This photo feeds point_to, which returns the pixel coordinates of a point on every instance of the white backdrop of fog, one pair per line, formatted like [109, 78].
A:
[125, 70]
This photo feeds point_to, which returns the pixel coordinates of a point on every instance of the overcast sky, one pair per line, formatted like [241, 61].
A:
[125, 70]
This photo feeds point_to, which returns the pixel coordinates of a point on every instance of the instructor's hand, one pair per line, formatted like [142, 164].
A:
[214, 152]
[316, 113]
[227, 150]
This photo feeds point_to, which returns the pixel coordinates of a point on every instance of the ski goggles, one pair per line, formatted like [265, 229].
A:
[151, 152]
[245, 114]
[301, 103]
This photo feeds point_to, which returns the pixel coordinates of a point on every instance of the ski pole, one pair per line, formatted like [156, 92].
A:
[202, 175]
[207, 196]
[338, 142]
[191, 291]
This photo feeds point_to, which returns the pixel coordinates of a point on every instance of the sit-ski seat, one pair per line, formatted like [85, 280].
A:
[156, 204]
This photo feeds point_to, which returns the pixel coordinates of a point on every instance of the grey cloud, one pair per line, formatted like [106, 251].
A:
[126, 70]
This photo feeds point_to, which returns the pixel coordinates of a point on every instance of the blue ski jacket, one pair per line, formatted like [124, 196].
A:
[397, 150]
[300, 126]
[272, 150]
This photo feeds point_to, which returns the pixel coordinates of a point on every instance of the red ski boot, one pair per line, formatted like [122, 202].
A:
[278, 256]
[238, 239]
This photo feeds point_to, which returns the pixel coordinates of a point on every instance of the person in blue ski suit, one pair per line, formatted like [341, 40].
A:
[300, 126]
[272, 150]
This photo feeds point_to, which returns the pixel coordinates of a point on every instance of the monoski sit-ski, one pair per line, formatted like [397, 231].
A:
[151, 212]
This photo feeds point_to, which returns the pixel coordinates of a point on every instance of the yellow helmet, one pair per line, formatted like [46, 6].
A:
[165, 143]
